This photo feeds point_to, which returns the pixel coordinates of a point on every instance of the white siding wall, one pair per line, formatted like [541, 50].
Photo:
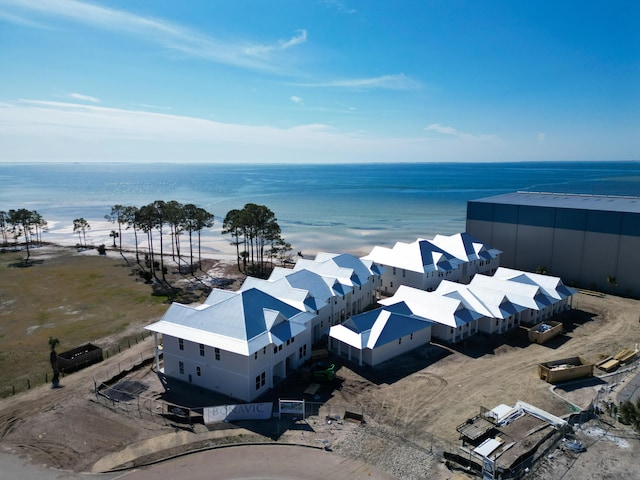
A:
[394, 349]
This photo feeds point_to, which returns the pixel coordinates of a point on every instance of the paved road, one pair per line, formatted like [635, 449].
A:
[242, 462]
[260, 462]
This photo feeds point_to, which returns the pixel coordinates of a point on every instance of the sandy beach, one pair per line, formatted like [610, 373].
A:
[214, 244]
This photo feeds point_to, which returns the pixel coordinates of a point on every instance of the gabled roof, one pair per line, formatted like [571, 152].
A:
[363, 269]
[552, 286]
[434, 307]
[529, 296]
[282, 289]
[490, 303]
[243, 323]
[420, 256]
[465, 247]
[376, 328]
[347, 276]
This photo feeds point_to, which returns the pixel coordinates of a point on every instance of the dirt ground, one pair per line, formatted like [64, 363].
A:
[411, 406]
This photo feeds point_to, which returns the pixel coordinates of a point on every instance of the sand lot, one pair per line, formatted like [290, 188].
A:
[411, 406]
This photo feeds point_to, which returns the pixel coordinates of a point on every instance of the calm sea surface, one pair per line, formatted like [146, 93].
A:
[319, 207]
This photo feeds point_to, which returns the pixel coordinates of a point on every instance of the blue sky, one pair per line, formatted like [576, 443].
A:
[319, 81]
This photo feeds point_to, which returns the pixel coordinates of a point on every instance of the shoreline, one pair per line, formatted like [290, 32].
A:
[213, 244]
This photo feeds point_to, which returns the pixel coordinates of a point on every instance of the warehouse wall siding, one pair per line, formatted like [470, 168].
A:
[585, 247]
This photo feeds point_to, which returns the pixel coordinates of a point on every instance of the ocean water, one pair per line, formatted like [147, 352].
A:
[339, 208]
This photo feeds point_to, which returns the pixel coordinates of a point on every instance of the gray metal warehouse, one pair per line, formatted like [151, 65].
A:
[590, 241]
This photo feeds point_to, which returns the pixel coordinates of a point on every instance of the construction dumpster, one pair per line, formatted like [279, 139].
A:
[565, 369]
[544, 331]
[79, 358]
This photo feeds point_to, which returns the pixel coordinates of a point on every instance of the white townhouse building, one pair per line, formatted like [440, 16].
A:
[420, 264]
[376, 336]
[243, 343]
[452, 320]
[477, 257]
[355, 281]
[239, 344]
[499, 313]
[306, 291]
[552, 286]
[538, 305]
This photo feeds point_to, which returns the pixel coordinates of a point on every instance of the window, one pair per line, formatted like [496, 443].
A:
[198, 371]
[255, 355]
[302, 351]
[275, 350]
[181, 367]
[264, 351]
[279, 347]
[181, 344]
[217, 352]
[293, 339]
[411, 337]
[201, 350]
[404, 273]
[288, 341]
[394, 270]
[399, 340]
[260, 380]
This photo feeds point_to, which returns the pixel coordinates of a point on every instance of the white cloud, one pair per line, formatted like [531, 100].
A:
[245, 54]
[84, 98]
[297, 100]
[35, 130]
[446, 130]
[339, 6]
[388, 82]
[541, 137]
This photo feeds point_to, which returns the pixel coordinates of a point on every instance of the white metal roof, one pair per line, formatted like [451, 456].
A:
[420, 256]
[434, 307]
[243, 323]
[488, 302]
[465, 247]
[377, 327]
[551, 285]
[530, 296]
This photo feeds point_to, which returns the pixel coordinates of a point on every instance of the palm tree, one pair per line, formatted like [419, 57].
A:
[118, 215]
[204, 220]
[80, 225]
[190, 224]
[129, 216]
[232, 225]
[145, 219]
[53, 360]
[159, 209]
[175, 218]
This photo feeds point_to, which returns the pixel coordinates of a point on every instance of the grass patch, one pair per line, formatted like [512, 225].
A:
[76, 298]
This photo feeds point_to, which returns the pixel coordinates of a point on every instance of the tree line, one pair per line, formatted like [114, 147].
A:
[257, 237]
[153, 222]
[254, 231]
[24, 223]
